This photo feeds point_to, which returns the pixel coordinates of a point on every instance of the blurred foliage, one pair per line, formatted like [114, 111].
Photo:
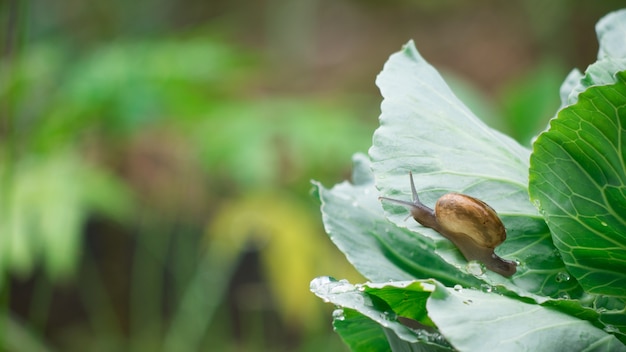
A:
[159, 130]
[528, 102]
[47, 208]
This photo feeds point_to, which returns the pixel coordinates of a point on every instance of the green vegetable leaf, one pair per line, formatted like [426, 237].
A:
[383, 252]
[424, 128]
[462, 319]
[368, 302]
[578, 180]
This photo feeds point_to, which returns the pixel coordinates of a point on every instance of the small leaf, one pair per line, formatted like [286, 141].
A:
[578, 179]
[367, 301]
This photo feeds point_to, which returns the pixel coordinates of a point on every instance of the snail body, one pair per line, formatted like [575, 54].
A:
[471, 224]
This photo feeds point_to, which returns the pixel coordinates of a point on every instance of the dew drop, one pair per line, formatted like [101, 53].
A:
[537, 203]
[468, 302]
[562, 277]
[604, 224]
[389, 315]
[319, 282]
[610, 328]
[475, 268]
[458, 288]
[338, 314]
[432, 337]
[438, 338]
[564, 295]
[486, 288]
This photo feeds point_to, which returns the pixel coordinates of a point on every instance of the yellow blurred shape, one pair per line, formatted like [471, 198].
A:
[293, 248]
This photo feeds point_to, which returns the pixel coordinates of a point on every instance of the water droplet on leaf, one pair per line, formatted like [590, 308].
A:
[338, 314]
[318, 282]
[562, 277]
[610, 328]
[537, 203]
[475, 268]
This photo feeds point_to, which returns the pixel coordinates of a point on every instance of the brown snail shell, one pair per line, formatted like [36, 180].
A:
[471, 224]
[461, 213]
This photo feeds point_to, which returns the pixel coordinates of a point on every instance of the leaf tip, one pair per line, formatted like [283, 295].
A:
[409, 49]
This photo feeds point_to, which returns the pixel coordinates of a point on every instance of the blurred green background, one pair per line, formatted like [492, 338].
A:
[156, 156]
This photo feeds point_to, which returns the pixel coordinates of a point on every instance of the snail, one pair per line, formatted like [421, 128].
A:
[471, 224]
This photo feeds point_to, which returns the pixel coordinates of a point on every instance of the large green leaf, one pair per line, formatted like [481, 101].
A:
[426, 129]
[578, 180]
[465, 319]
